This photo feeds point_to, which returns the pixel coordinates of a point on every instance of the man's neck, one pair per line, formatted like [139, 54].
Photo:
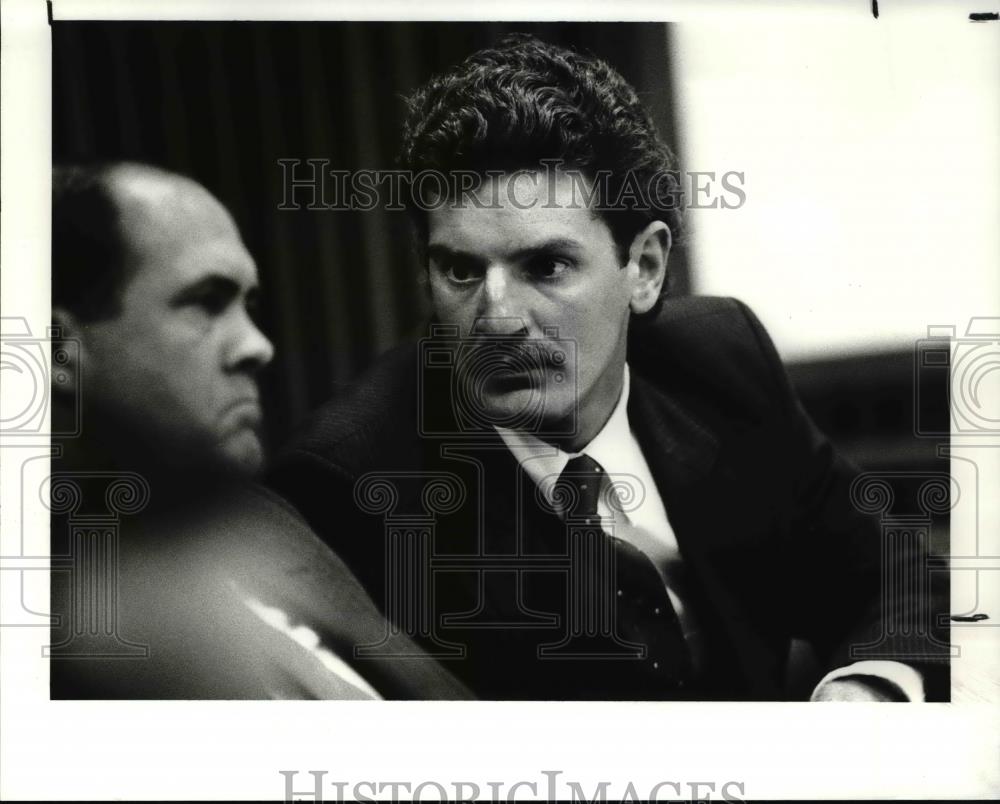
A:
[172, 476]
[594, 413]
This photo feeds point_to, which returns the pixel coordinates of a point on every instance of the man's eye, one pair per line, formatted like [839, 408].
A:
[548, 267]
[212, 303]
[252, 306]
[211, 297]
[461, 272]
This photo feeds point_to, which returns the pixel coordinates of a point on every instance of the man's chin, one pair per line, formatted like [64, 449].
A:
[527, 411]
[242, 453]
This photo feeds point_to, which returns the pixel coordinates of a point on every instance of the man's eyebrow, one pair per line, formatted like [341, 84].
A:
[438, 250]
[553, 245]
[550, 246]
[214, 283]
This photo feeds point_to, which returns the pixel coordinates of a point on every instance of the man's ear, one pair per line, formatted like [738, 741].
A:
[67, 351]
[648, 265]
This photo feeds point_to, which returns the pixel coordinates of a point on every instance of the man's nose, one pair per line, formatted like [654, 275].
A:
[501, 309]
[253, 350]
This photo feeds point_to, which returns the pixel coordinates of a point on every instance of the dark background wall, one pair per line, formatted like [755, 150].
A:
[223, 102]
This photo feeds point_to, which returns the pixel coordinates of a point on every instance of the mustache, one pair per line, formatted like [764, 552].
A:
[503, 352]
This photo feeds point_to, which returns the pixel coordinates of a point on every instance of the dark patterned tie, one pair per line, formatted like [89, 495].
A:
[618, 606]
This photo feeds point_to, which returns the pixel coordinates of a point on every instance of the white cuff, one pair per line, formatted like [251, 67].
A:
[909, 682]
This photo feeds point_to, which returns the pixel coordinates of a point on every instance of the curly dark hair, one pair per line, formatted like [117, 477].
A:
[525, 101]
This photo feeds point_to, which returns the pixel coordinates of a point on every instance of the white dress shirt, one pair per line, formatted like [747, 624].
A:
[642, 521]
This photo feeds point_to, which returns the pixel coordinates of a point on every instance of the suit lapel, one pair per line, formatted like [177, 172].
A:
[685, 458]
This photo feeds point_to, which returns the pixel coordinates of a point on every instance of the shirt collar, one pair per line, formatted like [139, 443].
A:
[544, 463]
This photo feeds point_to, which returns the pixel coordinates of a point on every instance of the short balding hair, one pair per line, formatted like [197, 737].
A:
[88, 252]
[90, 265]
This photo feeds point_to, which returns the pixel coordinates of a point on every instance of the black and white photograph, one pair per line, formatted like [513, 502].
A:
[566, 405]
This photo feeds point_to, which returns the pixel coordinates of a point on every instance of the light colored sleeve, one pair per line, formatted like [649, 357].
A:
[908, 681]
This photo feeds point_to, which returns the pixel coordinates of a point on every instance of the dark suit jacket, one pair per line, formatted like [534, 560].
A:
[757, 498]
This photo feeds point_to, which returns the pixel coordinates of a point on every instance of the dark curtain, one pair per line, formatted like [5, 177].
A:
[223, 102]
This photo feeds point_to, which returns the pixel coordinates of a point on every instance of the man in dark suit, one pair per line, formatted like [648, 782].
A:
[571, 488]
[175, 574]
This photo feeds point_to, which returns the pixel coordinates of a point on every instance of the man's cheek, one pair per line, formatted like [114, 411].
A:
[560, 393]
[446, 306]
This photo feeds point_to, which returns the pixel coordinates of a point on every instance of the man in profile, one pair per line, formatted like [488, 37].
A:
[152, 280]
[640, 507]
[224, 592]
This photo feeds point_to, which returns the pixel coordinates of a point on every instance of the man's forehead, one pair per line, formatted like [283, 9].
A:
[517, 211]
[175, 227]
[156, 206]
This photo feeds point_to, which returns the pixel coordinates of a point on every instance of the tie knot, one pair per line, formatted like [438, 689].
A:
[579, 487]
